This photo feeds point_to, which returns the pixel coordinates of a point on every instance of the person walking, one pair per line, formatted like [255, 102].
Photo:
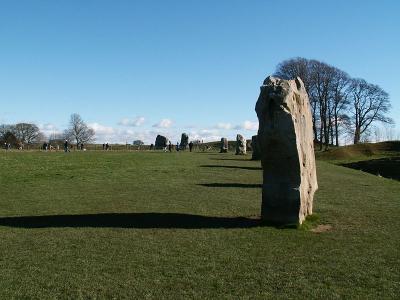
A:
[66, 146]
[190, 146]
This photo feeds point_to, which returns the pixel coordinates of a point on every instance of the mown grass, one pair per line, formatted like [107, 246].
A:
[184, 225]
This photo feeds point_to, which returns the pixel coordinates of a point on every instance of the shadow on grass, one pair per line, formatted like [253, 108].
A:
[232, 185]
[131, 220]
[231, 167]
[388, 167]
[234, 159]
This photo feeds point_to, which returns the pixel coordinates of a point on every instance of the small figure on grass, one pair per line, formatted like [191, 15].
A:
[66, 148]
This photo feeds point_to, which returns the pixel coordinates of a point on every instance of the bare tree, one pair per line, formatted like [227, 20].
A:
[340, 101]
[79, 131]
[301, 67]
[27, 133]
[369, 103]
[4, 128]
[322, 76]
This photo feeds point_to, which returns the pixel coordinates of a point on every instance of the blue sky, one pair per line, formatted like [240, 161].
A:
[133, 69]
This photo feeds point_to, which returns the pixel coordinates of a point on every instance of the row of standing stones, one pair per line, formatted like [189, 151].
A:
[284, 144]
[162, 142]
[241, 145]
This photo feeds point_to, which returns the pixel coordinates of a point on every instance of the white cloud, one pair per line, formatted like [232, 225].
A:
[108, 134]
[205, 135]
[104, 133]
[225, 126]
[164, 123]
[49, 129]
[132, 122]
[101, 129]
[248, 125]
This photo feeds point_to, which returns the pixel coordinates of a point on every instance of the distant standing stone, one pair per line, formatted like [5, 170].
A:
[224, 145]
[256, 154]
[285, 137]
[161, 142]
[184, 141]
[240, 145]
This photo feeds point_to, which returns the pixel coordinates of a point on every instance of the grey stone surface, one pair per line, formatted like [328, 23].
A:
[256, 154]
[285, 137]
[184, 141]
[240, 145]
[161, 142]
[224, 145]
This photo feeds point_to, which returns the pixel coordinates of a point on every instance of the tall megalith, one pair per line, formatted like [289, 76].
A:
[241, 144]
[256, 155]
[224, 145]
[184, 141]
[285, 137]
[161, 142]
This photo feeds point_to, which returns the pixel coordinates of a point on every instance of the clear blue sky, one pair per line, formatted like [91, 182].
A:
[136, 68]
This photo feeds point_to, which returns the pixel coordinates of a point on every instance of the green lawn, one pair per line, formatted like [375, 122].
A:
[184, 225]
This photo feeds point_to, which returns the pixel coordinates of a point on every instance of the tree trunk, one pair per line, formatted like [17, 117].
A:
[336, 129]
[320, 136]
[357, 135]
[314, 123]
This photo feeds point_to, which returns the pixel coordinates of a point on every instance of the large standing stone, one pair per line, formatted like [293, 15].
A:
[224, 145]
[256, 154]
[285, 137]
[161, 142]
[184, 141]
[240, 145]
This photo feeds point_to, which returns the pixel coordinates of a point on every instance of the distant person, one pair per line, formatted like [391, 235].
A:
[177, 146]
[81, 146]
[107, 146]
[190, 146]
[170, 146]
[104, 146]
[66, 146]
[151, 146]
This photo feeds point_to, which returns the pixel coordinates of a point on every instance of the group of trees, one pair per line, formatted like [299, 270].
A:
[340, 104]
[22, 134]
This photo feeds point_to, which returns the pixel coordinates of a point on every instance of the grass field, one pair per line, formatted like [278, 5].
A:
[185, 225]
